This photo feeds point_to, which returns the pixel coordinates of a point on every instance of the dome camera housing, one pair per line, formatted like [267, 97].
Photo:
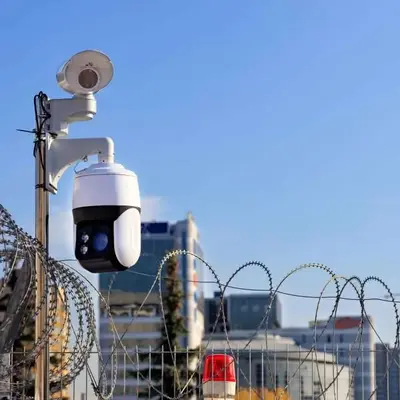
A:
[106, 210]
[86, 73]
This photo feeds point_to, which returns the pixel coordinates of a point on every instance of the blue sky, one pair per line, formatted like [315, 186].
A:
[275, 122]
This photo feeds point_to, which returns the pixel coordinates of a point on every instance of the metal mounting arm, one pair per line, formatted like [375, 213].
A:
[62, 153]
[66, 111]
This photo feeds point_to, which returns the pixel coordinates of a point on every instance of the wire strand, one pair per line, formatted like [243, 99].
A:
[249, 289]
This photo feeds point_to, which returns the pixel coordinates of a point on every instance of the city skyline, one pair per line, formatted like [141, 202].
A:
[294, 120]
[276, 124]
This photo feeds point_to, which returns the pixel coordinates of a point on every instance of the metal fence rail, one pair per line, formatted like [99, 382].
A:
[261, 374]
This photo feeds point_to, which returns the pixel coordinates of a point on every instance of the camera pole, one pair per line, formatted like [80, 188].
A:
[53, 157]
[41, 229]
[55, 116]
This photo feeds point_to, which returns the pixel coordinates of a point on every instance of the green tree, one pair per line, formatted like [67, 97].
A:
[169, 364]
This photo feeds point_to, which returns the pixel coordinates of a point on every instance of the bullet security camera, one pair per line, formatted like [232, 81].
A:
[86, 73]
[106, 211]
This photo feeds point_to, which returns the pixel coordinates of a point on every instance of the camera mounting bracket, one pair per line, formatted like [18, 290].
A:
[65, 111]
[62, 153]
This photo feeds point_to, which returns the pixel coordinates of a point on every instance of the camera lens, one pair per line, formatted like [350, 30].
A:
[84, 249]
[88, 78]
[100, 241]
[85, 238]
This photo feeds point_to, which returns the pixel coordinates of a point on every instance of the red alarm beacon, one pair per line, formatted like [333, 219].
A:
[219, 380]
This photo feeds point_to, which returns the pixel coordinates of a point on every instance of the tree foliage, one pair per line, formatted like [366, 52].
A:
[170, 364]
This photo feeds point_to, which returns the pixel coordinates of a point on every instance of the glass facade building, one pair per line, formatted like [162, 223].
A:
[387, 369]
[243, 312]
[133, 295]
[140, 278]
[158, 239]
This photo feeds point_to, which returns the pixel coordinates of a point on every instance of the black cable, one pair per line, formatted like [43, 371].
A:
[41, 116]
[301, 296]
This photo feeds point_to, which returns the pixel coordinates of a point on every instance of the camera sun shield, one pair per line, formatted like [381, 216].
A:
[87, 72]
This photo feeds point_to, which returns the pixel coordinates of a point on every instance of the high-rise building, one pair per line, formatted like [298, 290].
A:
[387, 371]
[242, 312]
[342, 337]
[140, 325]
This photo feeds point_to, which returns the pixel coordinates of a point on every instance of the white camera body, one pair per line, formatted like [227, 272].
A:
[106, 211]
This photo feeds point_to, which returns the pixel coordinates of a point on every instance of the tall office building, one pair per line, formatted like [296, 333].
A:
[141, 325]
[387, 372]
[242, 312]
[341, 336]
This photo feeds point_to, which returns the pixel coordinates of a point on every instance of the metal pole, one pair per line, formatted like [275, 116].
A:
[41, 220]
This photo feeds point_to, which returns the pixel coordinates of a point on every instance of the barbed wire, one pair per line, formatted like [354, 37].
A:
[248, 289]
[359, 292]
[68, 292]
[65, 293]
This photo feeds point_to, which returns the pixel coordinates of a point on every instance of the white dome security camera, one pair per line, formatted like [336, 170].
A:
[106, 210]
[86, 73]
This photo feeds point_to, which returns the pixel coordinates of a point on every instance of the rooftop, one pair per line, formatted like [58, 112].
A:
[261, 342]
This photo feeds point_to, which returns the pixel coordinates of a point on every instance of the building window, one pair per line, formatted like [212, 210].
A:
[259, 376]
[341, 338]
[277, 381]
[244, 308]
[328, 338]
[303, 338]
[256, 308]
